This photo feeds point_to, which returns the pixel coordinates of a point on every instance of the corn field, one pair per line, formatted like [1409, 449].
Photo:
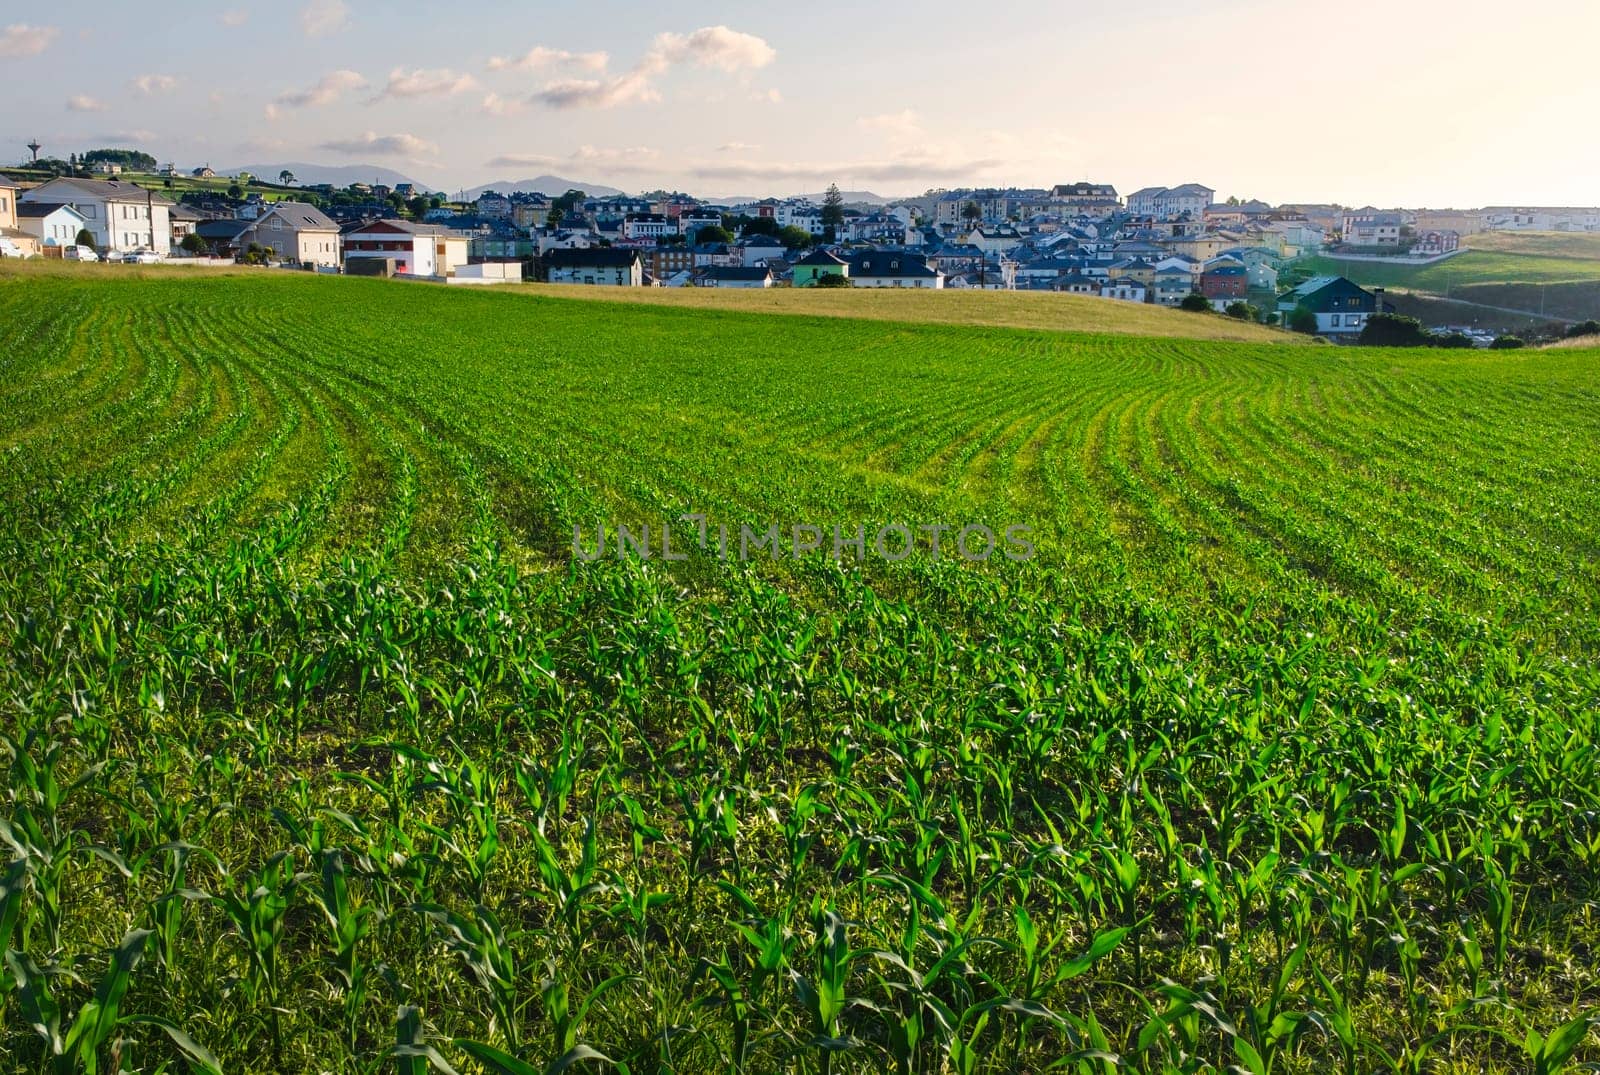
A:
[326, 753]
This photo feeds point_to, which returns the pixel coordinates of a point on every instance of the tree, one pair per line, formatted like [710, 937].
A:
[972, 213]
[1393, 330]
[1584, 328]
[1195, 303]
[235, 191]
[554, 219]
[85, 238]
[1302, 319]
[571, 202]
[286, 178]
[832, 207]
[193, 244]
[834, 279]
[419, 206]
[758, 225]
[1242, 311]
[713, 233]
[1507, 343]
[796, 238]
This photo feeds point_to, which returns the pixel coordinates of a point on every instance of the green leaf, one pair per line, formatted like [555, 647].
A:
[198, 1054]
[495, 1060]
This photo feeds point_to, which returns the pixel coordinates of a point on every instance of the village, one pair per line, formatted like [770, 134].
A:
[1173, 246]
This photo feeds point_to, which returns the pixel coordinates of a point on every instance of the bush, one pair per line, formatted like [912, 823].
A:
[1453, 341]
[1507, 343]
[1303, 320]
[1586, 328]
[193, 244]
[834, 279]
[85, 238]
[1195, 303]
[1242, 311]
[1394, 330]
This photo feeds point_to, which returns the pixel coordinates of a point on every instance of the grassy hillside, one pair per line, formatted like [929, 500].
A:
[1280, 751]
[1473, 267]
[1035, 310]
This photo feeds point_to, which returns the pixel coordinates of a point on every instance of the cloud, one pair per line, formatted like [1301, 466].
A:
[82, 102]
[940, 169]
[715, 46]
[539, 57]
[903, 125]
[237, 17]
[328, 89]
[323, 17]
[153, 84]
[441, 82]
[629, 159]
[496, 105]
[631, 88]
[126, 138]
[711, 46]
[20, 39]
[383, 145]
[738, 147]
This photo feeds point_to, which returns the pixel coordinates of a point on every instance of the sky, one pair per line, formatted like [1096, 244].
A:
[1439, 103]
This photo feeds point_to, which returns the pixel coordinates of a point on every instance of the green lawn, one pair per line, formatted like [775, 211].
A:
[1473, 267]
[326, 746]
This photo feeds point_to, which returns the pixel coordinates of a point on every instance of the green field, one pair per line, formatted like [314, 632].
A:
[1473, 267]
[326, 753]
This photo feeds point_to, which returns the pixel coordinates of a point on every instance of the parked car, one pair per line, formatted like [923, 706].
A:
[142, 257]
[79, 253]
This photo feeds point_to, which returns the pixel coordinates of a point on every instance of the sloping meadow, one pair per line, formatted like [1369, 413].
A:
[330, 749]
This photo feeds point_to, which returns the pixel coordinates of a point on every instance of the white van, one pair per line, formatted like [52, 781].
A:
[79, 253]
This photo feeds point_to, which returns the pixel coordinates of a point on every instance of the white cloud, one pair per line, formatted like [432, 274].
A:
[82, 102]
[628, 159]
[320, 18]
[328, 89]
[539, 57]
[126, 138]
[153, 84]
[441, 82]
[496, 105]
[711, 46]
[631, 88]
[901, 125]
[894, 170]
[20, 39]
[236, 17]
[383, 145]
[738, 147]
[715, 46]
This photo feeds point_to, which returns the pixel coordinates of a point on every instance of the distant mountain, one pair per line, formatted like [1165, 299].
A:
[851, 197]
[552, 185]
[340, 175]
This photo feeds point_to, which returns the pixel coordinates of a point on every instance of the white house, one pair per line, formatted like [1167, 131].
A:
[1167, 202]
[51, 224]
[122, 217]
[296, 232]
[1124, 290]
[602, 265]
[694, 221]
[879, 268]
[756, 250]
[416, 249]
[1372, 229]
[740, 277]
[647, 226]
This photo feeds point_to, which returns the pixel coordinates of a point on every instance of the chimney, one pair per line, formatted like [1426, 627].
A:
[1377, 295]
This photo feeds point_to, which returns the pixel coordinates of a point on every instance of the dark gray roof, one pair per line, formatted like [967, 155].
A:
[99, 189]
[880, 264]
[597, 258]
[728, 272]
[821, 257]
[304, 217]
[39, 210]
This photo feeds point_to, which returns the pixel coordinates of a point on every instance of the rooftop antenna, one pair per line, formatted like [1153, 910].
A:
[35, 146]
